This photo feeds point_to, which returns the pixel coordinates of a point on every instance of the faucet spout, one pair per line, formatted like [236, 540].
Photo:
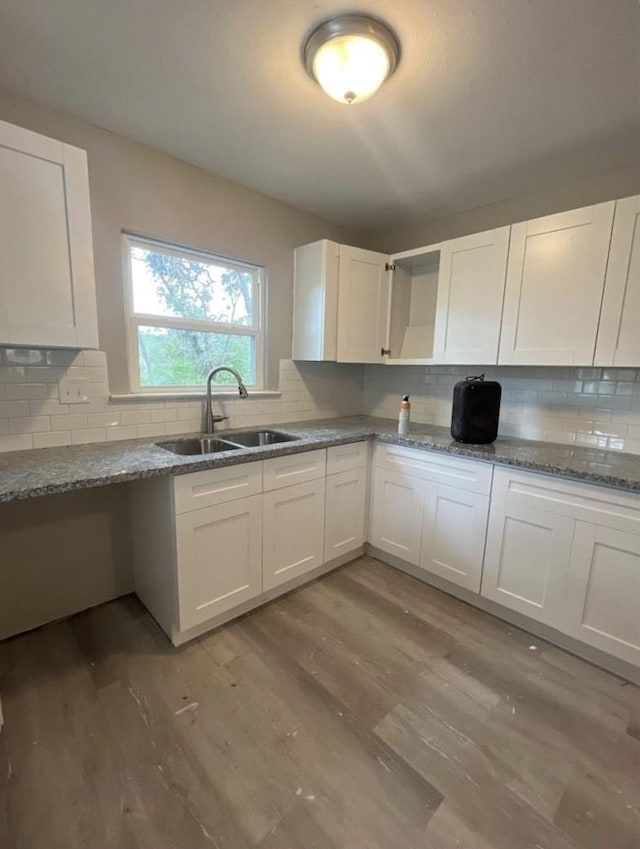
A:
[209, 418]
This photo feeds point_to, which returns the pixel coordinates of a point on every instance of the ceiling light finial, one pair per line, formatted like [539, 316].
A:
[351, 56]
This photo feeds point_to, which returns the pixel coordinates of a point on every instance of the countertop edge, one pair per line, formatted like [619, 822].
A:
[149, 463]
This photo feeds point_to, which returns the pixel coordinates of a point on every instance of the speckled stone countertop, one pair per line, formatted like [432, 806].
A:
[47, 471]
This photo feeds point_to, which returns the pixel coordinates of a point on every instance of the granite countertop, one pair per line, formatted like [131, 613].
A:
[47, 471]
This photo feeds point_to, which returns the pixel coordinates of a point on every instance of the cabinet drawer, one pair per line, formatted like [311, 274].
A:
[343, 458]
[294, 468]
[585, 502]
[215, 486]
[434, 466]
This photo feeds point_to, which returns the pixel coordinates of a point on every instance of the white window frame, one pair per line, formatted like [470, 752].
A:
[135, 319]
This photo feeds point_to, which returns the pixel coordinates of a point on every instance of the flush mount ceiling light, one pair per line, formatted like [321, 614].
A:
[351, 56]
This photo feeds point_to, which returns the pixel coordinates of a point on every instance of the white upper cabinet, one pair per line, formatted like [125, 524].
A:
[555, 280]
[340, 303]
[315, 301]
[413, 297]
[470, 294]
[618, 336]
[363, 298]
[47, 286]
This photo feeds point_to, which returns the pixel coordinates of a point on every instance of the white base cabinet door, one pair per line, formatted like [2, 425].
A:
[526, 560]
[346, 500]
[396, 514]
[47, 284]
[555, 280]
[293, 539]
[453, 536]
[219, 557]
[603, 590]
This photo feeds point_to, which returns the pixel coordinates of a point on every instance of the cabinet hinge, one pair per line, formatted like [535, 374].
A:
[385, 351]
[389, 266]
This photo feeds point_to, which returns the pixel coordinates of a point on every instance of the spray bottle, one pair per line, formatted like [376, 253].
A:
[403, 418]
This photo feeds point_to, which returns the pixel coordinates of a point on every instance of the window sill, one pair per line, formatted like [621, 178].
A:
[191, 396]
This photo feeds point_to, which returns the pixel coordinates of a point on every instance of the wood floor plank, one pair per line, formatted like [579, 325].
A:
[469, 781]
[363, 711]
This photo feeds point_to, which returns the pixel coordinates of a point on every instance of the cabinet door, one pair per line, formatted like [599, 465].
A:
[293, 532]
[346, 500]
[618, 337]
[363, 305]
[526, 561]
[470, 293]
[603, 590]
[47, 287]
[396, 514]
[454, 532]
[315, 301]
[555, 279]
[219, 553]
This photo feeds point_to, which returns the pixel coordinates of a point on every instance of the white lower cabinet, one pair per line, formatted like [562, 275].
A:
[345, 512]
[603, 590]
[219, 557]
[293, 538]
[211, 544]
[526, 560]
[568, 555]
[396, 514]
[453, 535]
[431, 510]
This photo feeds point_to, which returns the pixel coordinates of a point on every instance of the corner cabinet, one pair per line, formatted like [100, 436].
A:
[431, 511]
[568, 555]
[47, 285]
[555, 281]
[437, 304]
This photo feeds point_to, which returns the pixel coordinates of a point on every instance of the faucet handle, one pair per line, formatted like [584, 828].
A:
[216, 419]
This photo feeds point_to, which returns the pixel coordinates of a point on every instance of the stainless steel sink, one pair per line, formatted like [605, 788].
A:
[196, 446]
[255, 438]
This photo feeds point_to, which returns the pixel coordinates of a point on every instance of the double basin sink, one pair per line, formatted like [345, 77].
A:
[232, 442]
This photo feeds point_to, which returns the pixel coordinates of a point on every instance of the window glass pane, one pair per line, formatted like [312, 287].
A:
[169, 285]
[172, 357]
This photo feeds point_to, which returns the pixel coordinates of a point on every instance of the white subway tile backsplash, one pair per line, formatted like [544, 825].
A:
[586, 406]
[14, 409]
[20, 391]
[52, 439]
[115, 433]
[73, 421]
[108, 419]
[81, 436]
[31, 414]
[16, 442]
[32, 424]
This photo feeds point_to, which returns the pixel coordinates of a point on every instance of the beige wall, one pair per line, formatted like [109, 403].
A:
[62, 554]
[134, 187]
[551, 197]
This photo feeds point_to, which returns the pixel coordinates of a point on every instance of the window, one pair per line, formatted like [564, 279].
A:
[188, 312]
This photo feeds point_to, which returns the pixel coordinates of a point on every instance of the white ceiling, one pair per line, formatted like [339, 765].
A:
[490, 97]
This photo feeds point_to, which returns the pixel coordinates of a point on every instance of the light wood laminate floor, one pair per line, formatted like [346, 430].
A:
[364, 711]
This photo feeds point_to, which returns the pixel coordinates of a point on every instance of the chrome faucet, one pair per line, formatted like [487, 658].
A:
[209, 418]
